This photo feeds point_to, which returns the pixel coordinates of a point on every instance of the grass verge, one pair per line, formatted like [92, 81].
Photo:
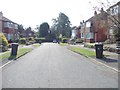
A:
[36, 45]
[20, 52]
[64, 44]
[83, 51]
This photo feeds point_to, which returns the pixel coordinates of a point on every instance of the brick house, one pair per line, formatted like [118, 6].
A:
[95, 28]
[9, 28]
[28, 33]
[113, 21]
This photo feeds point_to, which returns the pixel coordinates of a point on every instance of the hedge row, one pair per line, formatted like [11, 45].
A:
[105, 48]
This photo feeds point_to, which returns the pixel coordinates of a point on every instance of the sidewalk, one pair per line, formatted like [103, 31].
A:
[111, 59]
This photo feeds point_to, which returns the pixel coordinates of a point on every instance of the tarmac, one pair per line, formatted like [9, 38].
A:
[111, 59]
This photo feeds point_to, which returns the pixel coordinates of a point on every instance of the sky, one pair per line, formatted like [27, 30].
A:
[35, 12]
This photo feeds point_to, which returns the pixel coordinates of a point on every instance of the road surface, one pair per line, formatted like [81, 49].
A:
[54, 66]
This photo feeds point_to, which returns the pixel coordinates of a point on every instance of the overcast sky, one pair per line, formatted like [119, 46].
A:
[34, 12]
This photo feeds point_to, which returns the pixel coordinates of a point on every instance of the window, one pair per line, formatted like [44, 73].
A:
[10, 36]
[90, 35]
[88, 24]
[82, 35]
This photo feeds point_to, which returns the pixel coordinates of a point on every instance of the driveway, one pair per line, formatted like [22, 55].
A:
[54, 66]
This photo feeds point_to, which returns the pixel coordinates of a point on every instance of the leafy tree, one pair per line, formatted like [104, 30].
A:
[62, 25]
[20, 28]
[43, 29]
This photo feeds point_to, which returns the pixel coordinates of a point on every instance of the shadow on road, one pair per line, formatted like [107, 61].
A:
[12, 57]
[109, 60]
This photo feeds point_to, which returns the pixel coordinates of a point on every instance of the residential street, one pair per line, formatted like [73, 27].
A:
[54, 66]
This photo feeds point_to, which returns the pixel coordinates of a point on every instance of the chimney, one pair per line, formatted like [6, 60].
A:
[102, 10]
[95, 13]
[1, 14]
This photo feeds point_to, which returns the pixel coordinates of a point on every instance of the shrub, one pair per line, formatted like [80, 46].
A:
[64, 40]
[79, 40]
[31, 39]
[111, 49]
[22, 41]
[3, 42]
[89, 46]
[37, 40]
[16, 41]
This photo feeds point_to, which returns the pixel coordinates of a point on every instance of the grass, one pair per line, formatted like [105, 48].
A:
[64, 44]
[36, 45]
[83, 51]
[20, 52]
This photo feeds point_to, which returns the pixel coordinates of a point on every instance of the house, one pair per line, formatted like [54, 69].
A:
[8, 28]
[82, 30]
[113, 21]
[75, 32]
[95, 28]
[28, 33]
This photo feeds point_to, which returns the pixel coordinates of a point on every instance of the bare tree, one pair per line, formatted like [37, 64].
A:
[108, 7]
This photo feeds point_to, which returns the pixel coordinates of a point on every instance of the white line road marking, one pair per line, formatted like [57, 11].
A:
[5, 64]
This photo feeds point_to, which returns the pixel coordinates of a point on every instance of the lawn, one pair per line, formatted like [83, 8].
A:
[64, 44]
[20, 52]
[83, 51]
[36, 45]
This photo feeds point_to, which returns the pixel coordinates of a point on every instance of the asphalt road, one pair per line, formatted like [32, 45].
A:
[54, 66]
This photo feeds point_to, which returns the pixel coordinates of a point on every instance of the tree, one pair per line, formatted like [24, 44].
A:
[43, 29]
[20, 29]
[62, 25]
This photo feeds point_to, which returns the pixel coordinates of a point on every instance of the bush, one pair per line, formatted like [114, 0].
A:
[64, 40]
[89, 46]
[3, 42]
[31, 39]
[79, 40]
[37, 40]
[22, 41]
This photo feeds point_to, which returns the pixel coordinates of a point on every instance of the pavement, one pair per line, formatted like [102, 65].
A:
[54, 66]
[112, 59]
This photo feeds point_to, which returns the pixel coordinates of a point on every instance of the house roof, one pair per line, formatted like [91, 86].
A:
[114, 5]
[101, 15]
[7, 20]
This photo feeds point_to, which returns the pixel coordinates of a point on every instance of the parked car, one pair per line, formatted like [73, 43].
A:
[54, 41]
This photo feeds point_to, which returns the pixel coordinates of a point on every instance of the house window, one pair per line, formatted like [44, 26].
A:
[88, 24]
[15, 26]
[90, 35]
[10, 37]
[82, 35]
